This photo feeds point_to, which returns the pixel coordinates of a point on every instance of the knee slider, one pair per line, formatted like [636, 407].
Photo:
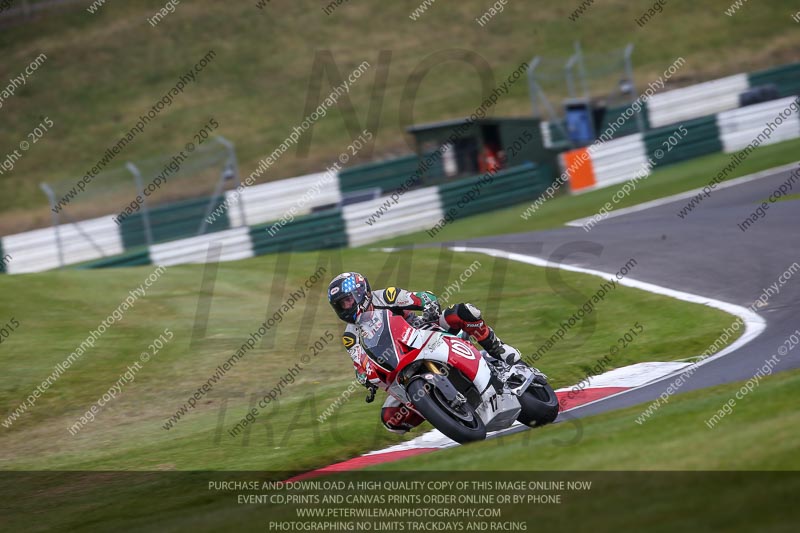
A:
[386, 414]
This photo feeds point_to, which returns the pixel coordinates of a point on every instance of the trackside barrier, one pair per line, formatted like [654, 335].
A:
[739, 127]
[415, 210]
[606, 163]
[629, 125]
[696, 138]
[717, 96]
[695, 101]
[310, 232]
[709, 112]
[619, 160]
[169, 222]
[316, 231]
[234, 244]
[37, 250]
[128, 259]
[284, 198]
[388, 175]
[508, 187]
[4, 259]
[786, 78]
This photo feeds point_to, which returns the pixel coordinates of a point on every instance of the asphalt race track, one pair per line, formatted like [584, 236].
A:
[705, 254]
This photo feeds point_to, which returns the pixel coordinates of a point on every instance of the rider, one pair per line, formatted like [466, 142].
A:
[350, 295]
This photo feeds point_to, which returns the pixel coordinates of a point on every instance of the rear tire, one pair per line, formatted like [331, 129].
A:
[539, 406]
[429, 402]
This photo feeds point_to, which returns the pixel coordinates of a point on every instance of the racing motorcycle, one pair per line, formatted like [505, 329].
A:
[449, 382]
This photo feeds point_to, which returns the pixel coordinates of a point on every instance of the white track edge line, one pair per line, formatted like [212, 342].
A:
[754, 324]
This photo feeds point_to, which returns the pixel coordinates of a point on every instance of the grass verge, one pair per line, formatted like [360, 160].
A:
[57, 310]
[761, 433]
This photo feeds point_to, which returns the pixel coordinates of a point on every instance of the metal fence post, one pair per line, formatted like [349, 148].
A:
[582, 69]
[51, 197]
[568, 76]
[532, 84]
[137, 176]
[629, 74]
[233, 165]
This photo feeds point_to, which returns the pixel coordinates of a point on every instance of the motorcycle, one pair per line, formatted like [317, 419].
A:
[449, 382]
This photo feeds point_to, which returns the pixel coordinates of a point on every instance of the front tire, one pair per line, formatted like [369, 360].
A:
[539, 405]
[462, 426]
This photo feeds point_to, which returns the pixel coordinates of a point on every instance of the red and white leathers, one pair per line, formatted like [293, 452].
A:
[459, 317]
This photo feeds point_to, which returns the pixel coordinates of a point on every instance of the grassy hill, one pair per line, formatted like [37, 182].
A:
[105, 69]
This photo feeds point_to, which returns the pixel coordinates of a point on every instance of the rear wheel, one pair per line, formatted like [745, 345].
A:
[539, 405]
[461, 423]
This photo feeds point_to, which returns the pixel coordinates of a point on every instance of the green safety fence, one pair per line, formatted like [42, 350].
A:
[2, 258]
[786, 78]
[128, 259]
[315, 231]
[508, 187]
[388, 175]
[701, 138]
[630, 125]
[170, 222]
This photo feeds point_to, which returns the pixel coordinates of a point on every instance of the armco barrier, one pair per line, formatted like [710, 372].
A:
[170, 222]
[388, 175]
[128, 259]
[507, 187]
[606, 163]
[692, 102]
[629, 125]
[552, 138]
[695, 101]
[3, 258]
[309, 232]
[619, 160]
[738, 127]
[786, 78]
[284, 198]
[100, 242]
[37, 250]
[717, 96]
[415, 210]
[234, 244]
[701, 138]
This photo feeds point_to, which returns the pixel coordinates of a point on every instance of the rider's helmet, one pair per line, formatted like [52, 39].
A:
[350, 295]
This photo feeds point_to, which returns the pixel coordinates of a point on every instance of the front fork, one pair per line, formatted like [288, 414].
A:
[433, 368]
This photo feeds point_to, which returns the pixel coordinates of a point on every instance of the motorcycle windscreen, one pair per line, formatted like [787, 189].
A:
[377, 341]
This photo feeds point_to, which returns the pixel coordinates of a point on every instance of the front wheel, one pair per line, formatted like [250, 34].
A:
[539, 405]
[462, 423]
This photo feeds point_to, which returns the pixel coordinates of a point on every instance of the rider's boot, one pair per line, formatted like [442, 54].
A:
[498, 349]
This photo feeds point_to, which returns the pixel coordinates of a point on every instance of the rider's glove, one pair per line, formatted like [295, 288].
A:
[371, 394]
[417, 322]
[361, 377]
[431, 312]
